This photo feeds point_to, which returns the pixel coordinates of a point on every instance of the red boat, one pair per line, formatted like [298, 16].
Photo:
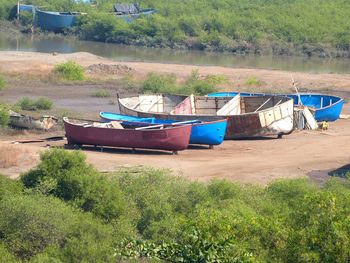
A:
[115, 134]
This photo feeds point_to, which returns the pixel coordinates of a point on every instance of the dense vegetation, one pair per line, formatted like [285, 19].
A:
[29, 104]
[278, 26]
[65, 211]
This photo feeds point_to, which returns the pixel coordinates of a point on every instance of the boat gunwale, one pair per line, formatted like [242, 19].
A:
[174, 124]
[208, 115]
[166, 127]
[286, 95]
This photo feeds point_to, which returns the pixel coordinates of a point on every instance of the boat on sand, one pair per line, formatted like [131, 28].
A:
[115, 134]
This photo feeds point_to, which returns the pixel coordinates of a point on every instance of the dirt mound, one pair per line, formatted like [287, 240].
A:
[108, 69]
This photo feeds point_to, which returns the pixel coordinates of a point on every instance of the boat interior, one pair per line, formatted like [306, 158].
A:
[115, 124]
[201, 105]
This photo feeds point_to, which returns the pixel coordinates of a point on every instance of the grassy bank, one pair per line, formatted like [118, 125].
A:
[280, 27]
[65, 211]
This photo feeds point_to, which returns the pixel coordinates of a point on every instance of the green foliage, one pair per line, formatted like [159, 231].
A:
[65, 211]
[9, 187]
[68, 177]
[30, 224]
[69, 71]
[166, 83]
[240, 26]
[4, 116]
[102, 94]
[33, 105]
[5, 255]
[157, 83]
[195, 85]
[253, 81]
[2, 82]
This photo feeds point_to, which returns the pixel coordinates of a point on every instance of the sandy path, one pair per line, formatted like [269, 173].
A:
[39, 63]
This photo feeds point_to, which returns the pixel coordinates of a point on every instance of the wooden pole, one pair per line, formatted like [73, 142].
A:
[296, 89]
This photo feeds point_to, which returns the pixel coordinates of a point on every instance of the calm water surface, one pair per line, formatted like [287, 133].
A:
[128, 53]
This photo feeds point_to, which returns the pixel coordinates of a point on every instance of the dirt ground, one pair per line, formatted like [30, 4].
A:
[248, 161]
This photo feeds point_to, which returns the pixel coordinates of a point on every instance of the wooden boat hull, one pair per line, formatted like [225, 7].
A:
[55, 21]
[27, 122]
[326, 107]
[210, 133]
[271, 121]
[170, 138]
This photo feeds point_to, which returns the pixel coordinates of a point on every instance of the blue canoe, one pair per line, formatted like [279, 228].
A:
[209, 133]
[55, 21]
[326, 107]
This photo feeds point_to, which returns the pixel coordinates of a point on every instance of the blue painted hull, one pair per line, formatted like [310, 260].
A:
[209, 133]
[327, 108]
[55, 21]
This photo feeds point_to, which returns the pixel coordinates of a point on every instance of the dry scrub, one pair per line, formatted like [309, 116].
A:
[10, 155]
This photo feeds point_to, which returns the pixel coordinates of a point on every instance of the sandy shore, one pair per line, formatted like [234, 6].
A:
[248, 161]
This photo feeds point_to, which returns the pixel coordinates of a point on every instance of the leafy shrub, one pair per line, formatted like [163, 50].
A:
[2, 82]
[195, 85]
[29, 224]
[43, 104]
[69, 71]
[33, 105]
[9, 187]
[4, 116]
[159, 83]
[5, 255]
[102, 94]
[67, 176]
[253, 81]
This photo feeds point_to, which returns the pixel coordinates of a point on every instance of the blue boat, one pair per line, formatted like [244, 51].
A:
[325, 107]
[55, 21]
[209, 133]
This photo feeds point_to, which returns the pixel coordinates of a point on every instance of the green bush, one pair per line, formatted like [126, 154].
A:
[195, 85]
[33, 105]
[4, 116]
[2, 82]
[9, 187]
[31, 224]
[102, 94]
[253, 81]
[69, 71]
[66, 211]
[67, 176]
[159, 83]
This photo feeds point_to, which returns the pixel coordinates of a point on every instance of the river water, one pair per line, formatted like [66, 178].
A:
[130, 53]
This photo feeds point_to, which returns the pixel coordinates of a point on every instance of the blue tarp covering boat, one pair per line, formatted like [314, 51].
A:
[209, 133]
[325, 107]
[55, 21]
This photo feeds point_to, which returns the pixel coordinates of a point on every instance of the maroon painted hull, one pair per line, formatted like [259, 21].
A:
[174, 138]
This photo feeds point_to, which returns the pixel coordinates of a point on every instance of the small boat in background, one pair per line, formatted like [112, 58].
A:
[27, 122]
[130, 12]
[324, 107]
[115, 134]
[247, 117]
[209, 133]
[55, 21]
